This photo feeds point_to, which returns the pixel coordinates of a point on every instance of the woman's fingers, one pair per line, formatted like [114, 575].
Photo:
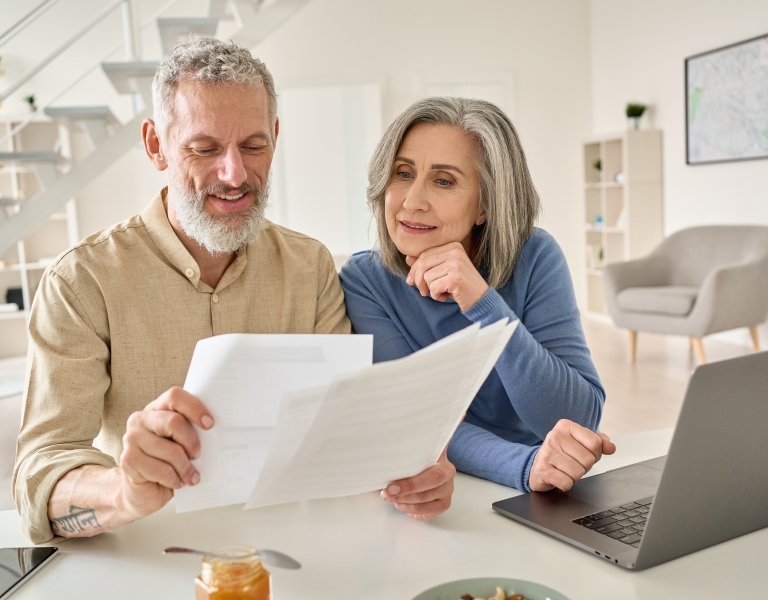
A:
[425, 495]
[427, 510]
[447, 272]
[569, 451]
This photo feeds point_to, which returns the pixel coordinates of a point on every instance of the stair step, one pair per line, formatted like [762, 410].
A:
[131, 77]
[217, 8]
[81, 113]
[259, 20]
[33, 157]
[175, 30]
[91, 119]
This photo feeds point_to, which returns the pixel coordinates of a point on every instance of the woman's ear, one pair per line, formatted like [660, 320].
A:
[480, 219]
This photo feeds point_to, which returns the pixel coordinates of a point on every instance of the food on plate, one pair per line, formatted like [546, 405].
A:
[500, 595]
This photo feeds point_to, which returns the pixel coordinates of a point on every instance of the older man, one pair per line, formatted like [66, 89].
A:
[106, 436]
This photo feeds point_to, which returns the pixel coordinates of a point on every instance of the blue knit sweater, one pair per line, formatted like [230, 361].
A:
[544, 374]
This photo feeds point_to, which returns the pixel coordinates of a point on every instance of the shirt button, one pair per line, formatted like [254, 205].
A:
[190, 273]
[215, 298]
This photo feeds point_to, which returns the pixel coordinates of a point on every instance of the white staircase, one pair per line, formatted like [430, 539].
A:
[173, 31]
[60, 177]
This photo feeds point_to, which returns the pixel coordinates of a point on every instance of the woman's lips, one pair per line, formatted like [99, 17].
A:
[416, 228]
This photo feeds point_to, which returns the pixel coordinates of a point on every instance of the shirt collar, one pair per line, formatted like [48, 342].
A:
[158, 226]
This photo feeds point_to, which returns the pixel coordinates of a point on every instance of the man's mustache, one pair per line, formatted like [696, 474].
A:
[223, 189]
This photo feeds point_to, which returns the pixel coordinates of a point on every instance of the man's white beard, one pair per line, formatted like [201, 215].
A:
[218, 235]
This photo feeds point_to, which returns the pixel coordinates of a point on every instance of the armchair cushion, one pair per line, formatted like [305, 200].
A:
[667, 300]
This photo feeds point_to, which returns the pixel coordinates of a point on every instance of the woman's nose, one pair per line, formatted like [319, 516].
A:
[231, 168]
[416, 197]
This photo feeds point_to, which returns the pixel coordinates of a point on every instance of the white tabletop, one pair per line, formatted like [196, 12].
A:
[361, 548]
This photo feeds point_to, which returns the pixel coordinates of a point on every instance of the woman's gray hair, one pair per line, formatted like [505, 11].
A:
[208, 60]
[507, 194]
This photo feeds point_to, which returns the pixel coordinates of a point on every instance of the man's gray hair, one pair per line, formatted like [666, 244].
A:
[507, 194]
[207, 60]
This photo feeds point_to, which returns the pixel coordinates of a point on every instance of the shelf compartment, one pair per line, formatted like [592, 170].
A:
[591, 154]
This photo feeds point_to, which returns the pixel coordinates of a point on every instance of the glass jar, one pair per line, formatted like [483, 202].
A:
[239, 576]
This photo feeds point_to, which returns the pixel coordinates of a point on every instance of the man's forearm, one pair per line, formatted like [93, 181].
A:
[86, 502]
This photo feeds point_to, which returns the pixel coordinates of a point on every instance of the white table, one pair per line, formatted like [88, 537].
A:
[358, 547]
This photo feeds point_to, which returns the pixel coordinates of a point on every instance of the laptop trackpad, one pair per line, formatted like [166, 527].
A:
[617, 487]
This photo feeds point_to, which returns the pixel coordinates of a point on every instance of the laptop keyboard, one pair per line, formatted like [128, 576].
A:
[625, 523]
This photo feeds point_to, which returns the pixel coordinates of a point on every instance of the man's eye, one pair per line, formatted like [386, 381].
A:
[254, 148]
[203, 151]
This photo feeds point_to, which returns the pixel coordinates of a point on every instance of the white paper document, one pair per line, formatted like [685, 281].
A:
[241, 379]
[386, 422]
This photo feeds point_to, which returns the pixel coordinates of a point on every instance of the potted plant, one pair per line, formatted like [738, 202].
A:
[634, 112]
[31, 101]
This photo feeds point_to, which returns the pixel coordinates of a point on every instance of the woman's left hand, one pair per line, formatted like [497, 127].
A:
[446, 272]
[425, 495]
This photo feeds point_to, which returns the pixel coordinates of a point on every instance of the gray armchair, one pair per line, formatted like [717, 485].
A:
[696, 282]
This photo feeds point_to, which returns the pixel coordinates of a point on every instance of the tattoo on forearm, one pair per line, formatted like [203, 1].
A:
[78, 519]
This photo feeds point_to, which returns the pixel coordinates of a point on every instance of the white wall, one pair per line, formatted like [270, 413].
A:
[544, 44]
[638, 48]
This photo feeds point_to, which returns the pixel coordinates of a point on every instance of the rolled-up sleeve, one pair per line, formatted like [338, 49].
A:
[67, 378]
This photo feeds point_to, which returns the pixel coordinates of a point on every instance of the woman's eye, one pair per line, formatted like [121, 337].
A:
[443, 182]
[403, 174]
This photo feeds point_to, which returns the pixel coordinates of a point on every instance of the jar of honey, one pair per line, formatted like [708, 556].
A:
[238, 576]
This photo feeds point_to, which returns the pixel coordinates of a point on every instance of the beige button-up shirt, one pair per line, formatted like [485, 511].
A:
[114, 324]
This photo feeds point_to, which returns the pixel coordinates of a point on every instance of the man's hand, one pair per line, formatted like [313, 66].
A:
[568, 453]
[447, 272]
[426, 495]
[158, 445]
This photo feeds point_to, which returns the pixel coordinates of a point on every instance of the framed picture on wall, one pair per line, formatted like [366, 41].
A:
[726, 103]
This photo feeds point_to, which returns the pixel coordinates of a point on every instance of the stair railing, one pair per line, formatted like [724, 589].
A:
[24, 122]
[57, 52]
[22, 23]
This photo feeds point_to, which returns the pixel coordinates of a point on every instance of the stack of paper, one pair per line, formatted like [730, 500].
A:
[241, 378]
[361, 430]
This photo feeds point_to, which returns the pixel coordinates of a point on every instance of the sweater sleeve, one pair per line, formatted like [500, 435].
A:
[546, 368]
[368, 314]
[476, 451]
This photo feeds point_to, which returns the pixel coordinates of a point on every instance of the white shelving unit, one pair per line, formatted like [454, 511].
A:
[23, 267]
[623, 203]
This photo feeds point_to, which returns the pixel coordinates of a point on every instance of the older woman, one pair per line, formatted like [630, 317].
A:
[455, 208]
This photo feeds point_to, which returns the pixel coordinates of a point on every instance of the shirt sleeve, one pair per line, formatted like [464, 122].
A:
[331, 315]
[546, 368]
[67, 377]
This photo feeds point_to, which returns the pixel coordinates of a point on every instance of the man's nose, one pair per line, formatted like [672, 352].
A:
[231, 168]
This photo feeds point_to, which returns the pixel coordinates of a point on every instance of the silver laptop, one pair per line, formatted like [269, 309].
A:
[710, 488]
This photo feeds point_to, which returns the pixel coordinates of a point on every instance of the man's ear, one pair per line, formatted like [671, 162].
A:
[152, 145]
[277, 130]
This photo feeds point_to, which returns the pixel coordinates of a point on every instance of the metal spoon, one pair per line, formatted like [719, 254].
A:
[271, 557]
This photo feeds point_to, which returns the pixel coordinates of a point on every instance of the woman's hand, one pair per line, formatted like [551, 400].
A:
[446, 272]
[569, 451]
[426, 495]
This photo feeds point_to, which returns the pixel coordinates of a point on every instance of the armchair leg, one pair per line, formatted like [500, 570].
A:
[698, 349]
[755, 337]
[632, 346]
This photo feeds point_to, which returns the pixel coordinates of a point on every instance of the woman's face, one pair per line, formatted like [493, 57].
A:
[433, 197]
